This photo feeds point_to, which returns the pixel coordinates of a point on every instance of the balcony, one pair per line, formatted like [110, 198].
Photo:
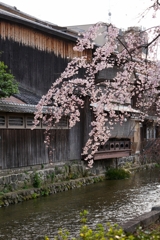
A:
[114, 149]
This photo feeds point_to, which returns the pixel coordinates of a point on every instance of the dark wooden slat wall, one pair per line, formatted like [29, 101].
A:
[61, 150]
[18, 149]
[75, 141]
[24, 147]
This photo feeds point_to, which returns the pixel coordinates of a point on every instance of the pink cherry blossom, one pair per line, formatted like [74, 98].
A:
[133, 56]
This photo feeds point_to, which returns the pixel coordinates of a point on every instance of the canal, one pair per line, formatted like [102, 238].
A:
[108, 201]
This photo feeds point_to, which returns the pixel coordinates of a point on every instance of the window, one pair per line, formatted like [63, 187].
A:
[2, 121]
[63, 123]
[15, 122]
[29, 122]
[26, 121]
[151, 132]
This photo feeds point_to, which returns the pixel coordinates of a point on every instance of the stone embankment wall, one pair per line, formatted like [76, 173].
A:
[21, 184]
[129, 161]
[15, 179]
[17, 185]
[32, 193]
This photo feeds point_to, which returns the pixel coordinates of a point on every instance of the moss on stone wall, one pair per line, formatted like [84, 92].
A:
[26, 194]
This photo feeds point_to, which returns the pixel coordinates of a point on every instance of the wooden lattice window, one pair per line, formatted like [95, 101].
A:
[26, 121]
[2, 121]
[29, 122]
[16, 122]
[62, 124]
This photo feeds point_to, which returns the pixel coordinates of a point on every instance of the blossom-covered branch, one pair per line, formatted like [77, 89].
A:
[137, 75]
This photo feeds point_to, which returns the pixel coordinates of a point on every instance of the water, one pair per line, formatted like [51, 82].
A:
[109, 201]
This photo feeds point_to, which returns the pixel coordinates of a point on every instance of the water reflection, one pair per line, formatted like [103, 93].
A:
[114, 201]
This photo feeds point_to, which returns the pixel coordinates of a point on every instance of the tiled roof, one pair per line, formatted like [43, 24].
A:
[11, 99]
[23, 102]
[118, 107]
[27, 96]
[17, 108]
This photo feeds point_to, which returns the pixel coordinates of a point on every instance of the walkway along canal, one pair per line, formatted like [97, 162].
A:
[108, 201]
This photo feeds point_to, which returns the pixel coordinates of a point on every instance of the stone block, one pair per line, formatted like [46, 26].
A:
[143, 220]
[156, 208]
[6, 180]
[14, 178]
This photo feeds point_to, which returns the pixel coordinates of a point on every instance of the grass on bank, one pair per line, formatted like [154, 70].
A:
[117, 174]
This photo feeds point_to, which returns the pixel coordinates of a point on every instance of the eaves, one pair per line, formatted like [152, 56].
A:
[5, 15]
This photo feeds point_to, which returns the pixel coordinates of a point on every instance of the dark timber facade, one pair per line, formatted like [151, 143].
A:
[36, 53]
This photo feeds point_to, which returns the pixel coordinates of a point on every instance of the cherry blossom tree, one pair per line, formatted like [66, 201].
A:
[132, 54]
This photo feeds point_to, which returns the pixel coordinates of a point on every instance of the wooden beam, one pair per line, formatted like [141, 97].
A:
[112, 154]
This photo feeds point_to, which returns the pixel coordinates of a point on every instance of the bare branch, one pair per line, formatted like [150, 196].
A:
[124, 46]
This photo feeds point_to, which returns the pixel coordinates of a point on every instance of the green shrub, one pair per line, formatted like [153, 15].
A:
[42, 166]
[157, 165]
[35, 195]
[45, 192]
[117, 173]
[72, 175]
[25, 186]
[8, 84]
[105, 232]
[58, 170]
[52, 175]
[37, 180]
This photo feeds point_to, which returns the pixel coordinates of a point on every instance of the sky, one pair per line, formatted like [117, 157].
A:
[124, 13]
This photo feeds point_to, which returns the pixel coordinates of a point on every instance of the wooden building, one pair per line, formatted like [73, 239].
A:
[37, 53]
